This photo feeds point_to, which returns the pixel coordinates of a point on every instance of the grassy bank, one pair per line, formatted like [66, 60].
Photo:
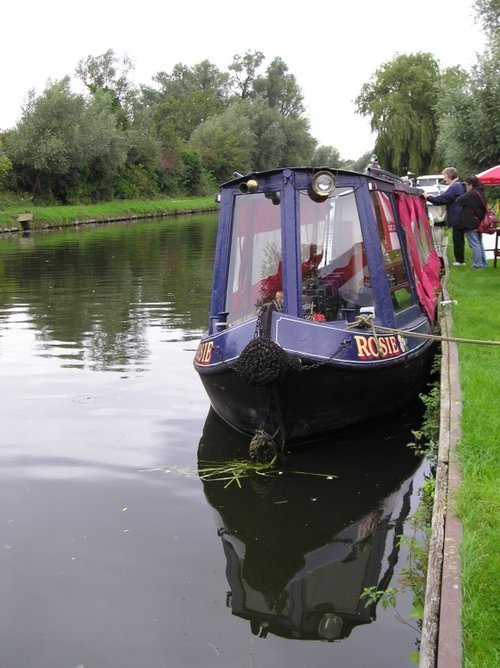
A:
[49, 216]
[477, 316]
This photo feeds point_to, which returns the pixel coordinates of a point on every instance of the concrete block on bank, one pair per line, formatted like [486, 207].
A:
[25, 219]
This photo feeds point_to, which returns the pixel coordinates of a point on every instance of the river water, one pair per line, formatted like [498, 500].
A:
[115, 552]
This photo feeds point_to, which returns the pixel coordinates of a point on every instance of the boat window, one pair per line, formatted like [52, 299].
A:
[255, 269]
[391, 250]
[335, 274]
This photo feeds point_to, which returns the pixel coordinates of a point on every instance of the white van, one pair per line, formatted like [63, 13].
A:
[434, 185]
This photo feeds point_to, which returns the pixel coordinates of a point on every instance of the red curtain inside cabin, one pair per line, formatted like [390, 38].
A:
[422, 254]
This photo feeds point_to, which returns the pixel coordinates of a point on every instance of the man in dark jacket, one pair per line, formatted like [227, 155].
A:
[473, 203]
[453, 211]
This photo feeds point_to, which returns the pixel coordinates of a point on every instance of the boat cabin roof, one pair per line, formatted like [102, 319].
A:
[372, 174]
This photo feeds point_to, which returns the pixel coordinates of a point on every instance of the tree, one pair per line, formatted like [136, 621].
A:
[469, 122]
[176, 84]
[469, 126]
[174, 119]
[326, 156]
[204, 77]
[62, 140]
[210, 80]
[361, 163]
[299, 143]
[488, 13]
[225, 143]
[5, 162]
[280, 89]
[244, 70]
[187, 176]
[180, 101]
[252, 136]
[267, 128]
[144, 145]
[400, 99]
[106, 73]
[185, 98]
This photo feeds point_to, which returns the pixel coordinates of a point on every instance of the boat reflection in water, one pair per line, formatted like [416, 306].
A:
[300, 548]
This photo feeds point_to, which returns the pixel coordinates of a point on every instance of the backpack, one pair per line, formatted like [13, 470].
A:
[489, 222]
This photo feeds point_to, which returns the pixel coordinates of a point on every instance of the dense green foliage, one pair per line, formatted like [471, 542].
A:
[5, 168]
[181, 136]
[64, 142]
[469, 118]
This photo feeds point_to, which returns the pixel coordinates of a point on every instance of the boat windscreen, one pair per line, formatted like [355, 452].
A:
[255, 274]
[335, 272]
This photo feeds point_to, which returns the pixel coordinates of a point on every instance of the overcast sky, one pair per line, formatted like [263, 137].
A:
[331, 47]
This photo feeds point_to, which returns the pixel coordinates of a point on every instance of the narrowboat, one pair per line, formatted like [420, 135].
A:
[324, 295]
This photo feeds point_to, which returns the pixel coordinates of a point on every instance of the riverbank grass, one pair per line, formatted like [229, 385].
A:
[477, 316]
[67, 215]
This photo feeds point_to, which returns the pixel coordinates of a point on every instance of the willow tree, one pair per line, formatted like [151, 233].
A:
[400, 99]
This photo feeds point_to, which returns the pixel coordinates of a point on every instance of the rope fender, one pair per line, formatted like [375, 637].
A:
[263, 362]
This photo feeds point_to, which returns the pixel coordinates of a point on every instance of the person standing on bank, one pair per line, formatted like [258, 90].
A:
[473, 203]
[453, 211]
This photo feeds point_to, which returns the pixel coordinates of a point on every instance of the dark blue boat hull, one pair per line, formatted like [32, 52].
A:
[317, 399]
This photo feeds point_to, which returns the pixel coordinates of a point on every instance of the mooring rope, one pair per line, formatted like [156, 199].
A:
[367, 321]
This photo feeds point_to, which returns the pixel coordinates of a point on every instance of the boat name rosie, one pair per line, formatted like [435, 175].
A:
[372, 347]
[204, 352]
